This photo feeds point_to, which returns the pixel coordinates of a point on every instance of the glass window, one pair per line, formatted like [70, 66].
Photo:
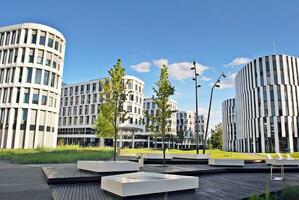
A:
[44, 100]
[1, 39]
[56, 44]
[7, 38]
[33, 36]
[48, 59]
[52, 79]
[50, 40]
[13, 38]
[35, 97]
[42, 38]
[23, 55]
[40, 57]
[26, 95]
[26, 36]
[46, 77]
[15, 56]
[24, 119]
[38, 76]
[31, 56]
[18, 95]
[10, 56]
[29, 75]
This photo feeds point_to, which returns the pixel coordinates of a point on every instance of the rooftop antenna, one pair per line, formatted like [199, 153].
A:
[274, 49]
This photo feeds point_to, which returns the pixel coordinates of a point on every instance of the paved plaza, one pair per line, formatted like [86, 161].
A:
[30, 182]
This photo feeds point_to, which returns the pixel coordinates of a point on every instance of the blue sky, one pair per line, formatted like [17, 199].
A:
[220, 35]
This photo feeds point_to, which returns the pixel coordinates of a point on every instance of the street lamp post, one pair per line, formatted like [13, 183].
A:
[216, 84]
[196, 104]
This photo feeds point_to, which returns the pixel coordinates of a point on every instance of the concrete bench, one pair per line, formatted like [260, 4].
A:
[154, 156]
[226, 162]
[107, 166]
[142, 183]
[192, 156]
[279, 162]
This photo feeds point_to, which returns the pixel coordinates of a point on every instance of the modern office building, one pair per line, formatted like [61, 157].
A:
[186, 121]
[79, 109]
[267, 103]
[229, 125]
[150, 107]
[31, 66]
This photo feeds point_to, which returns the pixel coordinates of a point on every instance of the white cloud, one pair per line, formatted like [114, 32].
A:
[180, 70]
[160, 62]
[239, 61]
[142, 67]
[204, 78]
[228, 82]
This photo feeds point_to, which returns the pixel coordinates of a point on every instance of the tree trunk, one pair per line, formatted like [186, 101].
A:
[163, 146]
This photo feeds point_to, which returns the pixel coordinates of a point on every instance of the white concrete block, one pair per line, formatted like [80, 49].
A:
[108, 166]
[226, 162]
[192, 156]
[141, 183]
[156, 156]
[279, 162]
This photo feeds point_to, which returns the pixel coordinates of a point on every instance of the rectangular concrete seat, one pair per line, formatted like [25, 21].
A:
[142, 183]
[226, 162]
[279, 162]
[156, 156]
[108, 166]
[192, 156]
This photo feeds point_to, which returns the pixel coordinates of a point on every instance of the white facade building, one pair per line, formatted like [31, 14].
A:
[150, 107]
[267, 105]
[229, 125]
[31, 67]
[79, 110]
[186, 121]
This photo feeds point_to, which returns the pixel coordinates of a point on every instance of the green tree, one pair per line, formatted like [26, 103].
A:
[111, 111]
[151, 126]
[180, 136]
[216, 137]
[162, 92]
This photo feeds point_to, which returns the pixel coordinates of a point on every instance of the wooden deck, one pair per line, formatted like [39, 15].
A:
[224, 186]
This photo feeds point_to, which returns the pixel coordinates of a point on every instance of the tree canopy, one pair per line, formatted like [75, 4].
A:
[111, 111]
[216, 137]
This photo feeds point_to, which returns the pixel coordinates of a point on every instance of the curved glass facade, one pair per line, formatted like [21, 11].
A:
[267, 94]
[31, 66]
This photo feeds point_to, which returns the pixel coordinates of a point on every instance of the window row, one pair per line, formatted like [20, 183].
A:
[83, 99]
[270, 70]
[83, 89]
[31, 36]
[81, 120]
[29, 75]
[35, 56]
[78, 110]
[34, 96]
[134, 86]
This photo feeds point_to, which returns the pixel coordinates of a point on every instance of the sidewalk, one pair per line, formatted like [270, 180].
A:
[23, 182]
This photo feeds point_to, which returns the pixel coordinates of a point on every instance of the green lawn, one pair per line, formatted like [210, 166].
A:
[62, 154]
[214, 153]
[69, 154]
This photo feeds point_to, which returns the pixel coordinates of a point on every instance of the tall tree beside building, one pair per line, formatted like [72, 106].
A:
[162, 92]
[216, 136]
[111, 111]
